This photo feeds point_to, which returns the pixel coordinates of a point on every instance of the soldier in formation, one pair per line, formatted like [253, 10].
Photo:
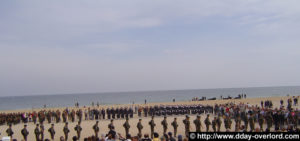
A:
[78, 129]
[197, 123]
[152, 126]
[51, 131]
[164, 123]
[126, 126]
[175, 126]
[140, 127]
[187, 123]
[207, 123]
[25, 132]
[96, 129]
[66, 131]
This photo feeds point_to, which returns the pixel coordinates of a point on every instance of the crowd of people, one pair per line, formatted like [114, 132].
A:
[245, 116]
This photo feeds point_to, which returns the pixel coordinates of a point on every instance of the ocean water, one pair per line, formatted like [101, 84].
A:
[66, 100]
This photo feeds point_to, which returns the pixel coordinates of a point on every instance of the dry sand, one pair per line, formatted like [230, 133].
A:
[103, 124]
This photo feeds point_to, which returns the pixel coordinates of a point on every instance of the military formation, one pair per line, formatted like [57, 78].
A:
[245, 117]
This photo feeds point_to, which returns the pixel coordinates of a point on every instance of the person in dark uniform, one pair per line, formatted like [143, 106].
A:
[251, 122]
[219, 123]
[78, 130]
[103, 113]
[269, 120]
[261, 121]
[187, 124]
[207, 122]
[66, 131]
[96, 128]
[175, 126]
[42, 129]
[126, 126]
[37, 132]
[9, 131]
[140, 127]
[52, 131]
[111, 125]
[214, 124]
[152, 125]
[164, 123]
[198, 124]
[25, 132]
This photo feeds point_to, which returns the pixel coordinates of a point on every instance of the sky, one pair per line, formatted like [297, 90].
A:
[74, 46]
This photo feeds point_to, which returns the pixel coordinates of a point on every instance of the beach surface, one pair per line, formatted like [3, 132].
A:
[103, 124]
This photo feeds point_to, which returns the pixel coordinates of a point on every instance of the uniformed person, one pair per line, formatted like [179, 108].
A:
[207, 122]
[197, 123]
[9, 131]
[187, 123]
[37, 132]
[251, 123]
[175, 126]
[219, 123]
[96, 128]
[214, 124]
[78, 129]
[164, 123]
[111, 125]
[246, 121]
[66, 131]
[52, 131]
[140, 127]
[269, 120]
[42, 129]
[227, 123]
[126, 126]
[24, 132]
[152, 125]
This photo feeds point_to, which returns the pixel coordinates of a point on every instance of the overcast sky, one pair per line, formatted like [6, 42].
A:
[57, 47]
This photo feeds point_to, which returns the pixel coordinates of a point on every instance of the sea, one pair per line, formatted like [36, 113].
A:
[86, 99]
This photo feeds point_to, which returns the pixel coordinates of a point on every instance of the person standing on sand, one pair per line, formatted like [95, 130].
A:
[78, 129]
[111, 125]
[140, 127]
[164, 123]
[42, 129]
[152, 125]
[66, 131]
[175, 126]
[25, 132]
[9, 131]
[52, 131]
[37, 132]
[207, 122]
[96, 128]
[197, 123]
[187, 124]
[126, 126]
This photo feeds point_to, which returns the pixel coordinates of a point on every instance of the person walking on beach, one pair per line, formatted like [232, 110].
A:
[126, 126]
[140, 127]
[152, 125]
[52, 131]
[96, 128]
[25, 132]
[78, 129]
[197, 123]
[9, 131]
[66, 131]
[207, 122]
[37, 132]
[164, 123]
[175, 126]
[187, 123]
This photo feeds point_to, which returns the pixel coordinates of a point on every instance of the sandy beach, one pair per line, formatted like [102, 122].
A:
[103, 124]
